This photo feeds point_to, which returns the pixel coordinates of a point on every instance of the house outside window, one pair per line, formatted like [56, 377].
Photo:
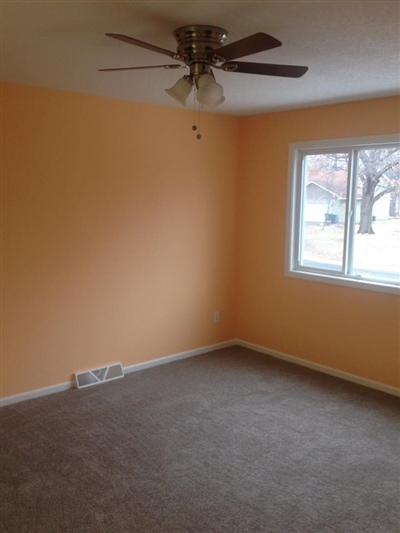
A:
[344, 212]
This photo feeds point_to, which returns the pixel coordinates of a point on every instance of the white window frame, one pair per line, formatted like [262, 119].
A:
[294, 203]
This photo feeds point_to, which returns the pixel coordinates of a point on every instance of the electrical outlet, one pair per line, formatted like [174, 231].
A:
[216, 317]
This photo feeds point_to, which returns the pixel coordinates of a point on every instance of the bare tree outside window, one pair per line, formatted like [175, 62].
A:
[378, 175]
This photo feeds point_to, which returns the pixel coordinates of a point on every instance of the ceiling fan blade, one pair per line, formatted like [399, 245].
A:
[142, 44]
[265, 69]
[140, 68]
[258, 42]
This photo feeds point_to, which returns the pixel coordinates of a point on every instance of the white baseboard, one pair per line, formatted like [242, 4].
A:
[37, 393]
[321, 368]
[178, 356]
[30, 395]
[60, 387]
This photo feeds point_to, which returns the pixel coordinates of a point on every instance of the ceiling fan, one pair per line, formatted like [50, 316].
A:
[200, 48]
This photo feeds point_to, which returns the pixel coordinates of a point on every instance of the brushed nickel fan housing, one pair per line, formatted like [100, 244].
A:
[196, 42]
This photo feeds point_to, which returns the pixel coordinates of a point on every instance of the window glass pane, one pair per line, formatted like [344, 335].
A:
[377, 223]
[324, 207]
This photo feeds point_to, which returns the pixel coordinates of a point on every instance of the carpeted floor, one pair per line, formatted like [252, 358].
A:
[228, 442]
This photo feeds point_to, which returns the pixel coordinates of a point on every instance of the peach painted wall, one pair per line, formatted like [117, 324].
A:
[121, 231]
[119, 234]
[355, 331]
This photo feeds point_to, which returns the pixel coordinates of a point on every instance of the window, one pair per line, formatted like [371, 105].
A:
[344, 212]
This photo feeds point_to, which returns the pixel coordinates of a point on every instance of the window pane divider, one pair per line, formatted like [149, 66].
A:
[351, 213]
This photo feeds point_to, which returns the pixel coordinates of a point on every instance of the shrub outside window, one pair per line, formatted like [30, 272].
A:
[344, 212]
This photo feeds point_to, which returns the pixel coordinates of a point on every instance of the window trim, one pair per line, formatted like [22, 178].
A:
[294, 206]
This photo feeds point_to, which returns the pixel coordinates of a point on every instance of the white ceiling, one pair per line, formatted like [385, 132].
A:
[352, 48]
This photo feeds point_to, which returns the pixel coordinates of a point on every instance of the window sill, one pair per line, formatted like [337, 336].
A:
[344, 281]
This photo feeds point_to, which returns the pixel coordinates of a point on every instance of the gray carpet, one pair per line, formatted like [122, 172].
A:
[228, 442]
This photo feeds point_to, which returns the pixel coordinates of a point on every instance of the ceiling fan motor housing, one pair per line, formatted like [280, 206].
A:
[196, 44]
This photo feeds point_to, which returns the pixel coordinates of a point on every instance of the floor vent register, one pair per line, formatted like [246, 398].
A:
[98, 375]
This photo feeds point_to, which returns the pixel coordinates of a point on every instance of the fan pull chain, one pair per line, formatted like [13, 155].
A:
[196, 127]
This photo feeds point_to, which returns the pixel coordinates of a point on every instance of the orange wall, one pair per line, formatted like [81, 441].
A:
[118, 233]
[355, 331]
[122, 234]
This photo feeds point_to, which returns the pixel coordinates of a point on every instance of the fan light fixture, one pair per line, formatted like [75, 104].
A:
[209, 92]
[181, 90]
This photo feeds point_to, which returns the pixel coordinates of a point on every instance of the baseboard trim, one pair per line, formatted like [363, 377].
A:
[37, 393]
[60, 387]
[320, 368]
[178, 356]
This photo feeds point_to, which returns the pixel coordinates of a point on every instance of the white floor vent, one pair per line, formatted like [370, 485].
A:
[99, 375]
